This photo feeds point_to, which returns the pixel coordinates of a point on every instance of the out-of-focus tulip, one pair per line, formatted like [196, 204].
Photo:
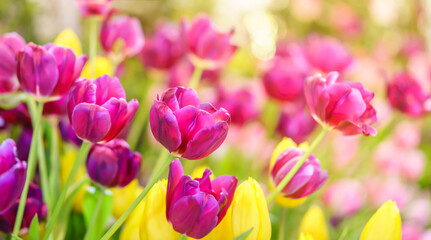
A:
[207, 47]
[418, 211]
[295, 123]
[314, 224]
[12, 174]
[124, 33]
[411, 231]
[10, 45]
[23, 144]
[90, 8]
[124, 197]
[318, 49]
[186, 127]
[98, 110]
[181, 73]
[48, 72]
[412, 45]
[113, 164]
[380, 191]
[67, 133]
[346, 20]
[103, 66]
[15, 116]
[68, 38]
[304, 236]
[344, 106]
[57, 107]
[66, 163]
[34, 205]
[426, 235]
[407, 95]
[385, 224]
[307, 180]
[196, 206]
[163, 49]
[345, 197]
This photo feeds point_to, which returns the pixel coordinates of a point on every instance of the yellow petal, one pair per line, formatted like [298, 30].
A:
[283, 145]
[124, 197]
[68, 38]
[314, 223]
[289, 202]
[304, 236]
[198, 171]
[103, 66]
[385, 224]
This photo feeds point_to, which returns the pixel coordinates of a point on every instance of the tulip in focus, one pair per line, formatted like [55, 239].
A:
[344, 106]
[385, 224]
[194, 207]
[186, 127]
[10, 45]
[314, 224]
[113, 164]
[98, 110]
[206, 46]
[91, 8]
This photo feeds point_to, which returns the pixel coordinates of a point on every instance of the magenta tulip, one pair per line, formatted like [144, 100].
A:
[309, 178]
[296, 124]
[113, 164]
[344, 106]
[186, 127]
[206, 46]
[67, 133]
[194, 207]
[10, 45]
[98, 110]
[90, 8]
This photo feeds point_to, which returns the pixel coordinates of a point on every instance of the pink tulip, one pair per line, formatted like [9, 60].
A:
[411, 231]
[295, 123]
[90, 8]
[418, 211]
[181, 72]
[380, 191]
[10, 45]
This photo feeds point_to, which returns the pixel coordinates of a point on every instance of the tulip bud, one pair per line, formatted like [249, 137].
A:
[113, 164]
[68, 38]
[98, 110]
[90, 8]
[314, 224]
[124, 33]
[344, 106]
[195, 207]
[10, 45]
[385, 224]
[185, 127]
[48, 72]
[207, 47]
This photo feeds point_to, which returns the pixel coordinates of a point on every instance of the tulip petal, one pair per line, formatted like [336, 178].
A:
[108, 88]
[164, 126]
[102, 165]
[83, 91]
[121, 114]
[228, 185]
[175, 174]
[8, 152]
[12, 183]
[90, 122]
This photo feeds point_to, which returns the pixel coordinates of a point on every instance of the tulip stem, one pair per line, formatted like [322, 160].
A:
[31, 168]
[53, 135]
[47, 197]
[282, 223]
[196, 77]
[89, 233]
[135, 203]
[93, 46]
[182, 237]
[296, 167]
[80, 160]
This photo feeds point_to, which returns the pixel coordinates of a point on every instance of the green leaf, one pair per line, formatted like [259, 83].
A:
[244, 235]
[90, 201]
[33, 233]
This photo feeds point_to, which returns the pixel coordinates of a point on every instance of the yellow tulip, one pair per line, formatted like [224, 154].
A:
[314, 224]
[281, 147]
[68, 38]
[124, 197]
[103, 66]
[304, 236]
[385, 224]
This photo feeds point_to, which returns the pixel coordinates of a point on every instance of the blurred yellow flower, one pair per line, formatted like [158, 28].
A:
[124, 197]
[314, 224]
[199, 171]
[304, 236]
[385, 224]
[68, 38]
[103, 66]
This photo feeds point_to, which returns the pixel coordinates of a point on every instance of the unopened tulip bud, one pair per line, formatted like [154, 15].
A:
[385, 224]
[314, 224]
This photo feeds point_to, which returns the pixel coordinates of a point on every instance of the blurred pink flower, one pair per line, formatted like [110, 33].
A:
[345, 149]
[346, 20]
[426, 235]
[380, 191]
[407, 135]
[181, 73]
[411, 231]
[89, 8]
[418, 211]
[295, 122]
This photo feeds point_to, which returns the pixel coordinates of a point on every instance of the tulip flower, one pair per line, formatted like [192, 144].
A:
[15, 116]
[194, 207]
[207, 47]
[10, 45]
[24, 142]
[124, 33]
[407, 95]
[186, 127]
[344, 106]
[385, 224]
[67, 133]
[89, 8]
[49, 72]
[124, 197]
[68, 38]
[295, 123]
[305, 237]
[34, 205]
[98, 110]
[163, 49]
[103, 66]
[113, 164]
[307, 180]
[12, 174]
[314, 224]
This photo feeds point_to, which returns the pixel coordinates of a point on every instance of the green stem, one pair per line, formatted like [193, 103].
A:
[182, 237]
[282, 224]
[140, 120]
[296, 167]
[196, 77]
[80, 160]
[93, 46]
[43, 172]
[31, 168]
[89, 233]
[54, 159]
[135, 203]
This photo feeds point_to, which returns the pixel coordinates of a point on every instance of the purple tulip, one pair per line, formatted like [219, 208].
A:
[407, 95]
[34, 205]
[196, 206]
[344, 106]
[185, 127]
[307, 180]
[205, 45]
[57, 107]
[89, 8]
[163, 49]
[48, 72]
[15, 116]
[24, 142]
[67, 133]
[296, 124]
[126, 29]
[113, 164]
[12, 174]
[10, 45]
[98, 110]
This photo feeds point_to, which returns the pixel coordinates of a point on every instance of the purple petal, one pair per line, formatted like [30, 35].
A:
[175, 174]
[108, 88]
[11, 184]
[164, 126]
[90, 122]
